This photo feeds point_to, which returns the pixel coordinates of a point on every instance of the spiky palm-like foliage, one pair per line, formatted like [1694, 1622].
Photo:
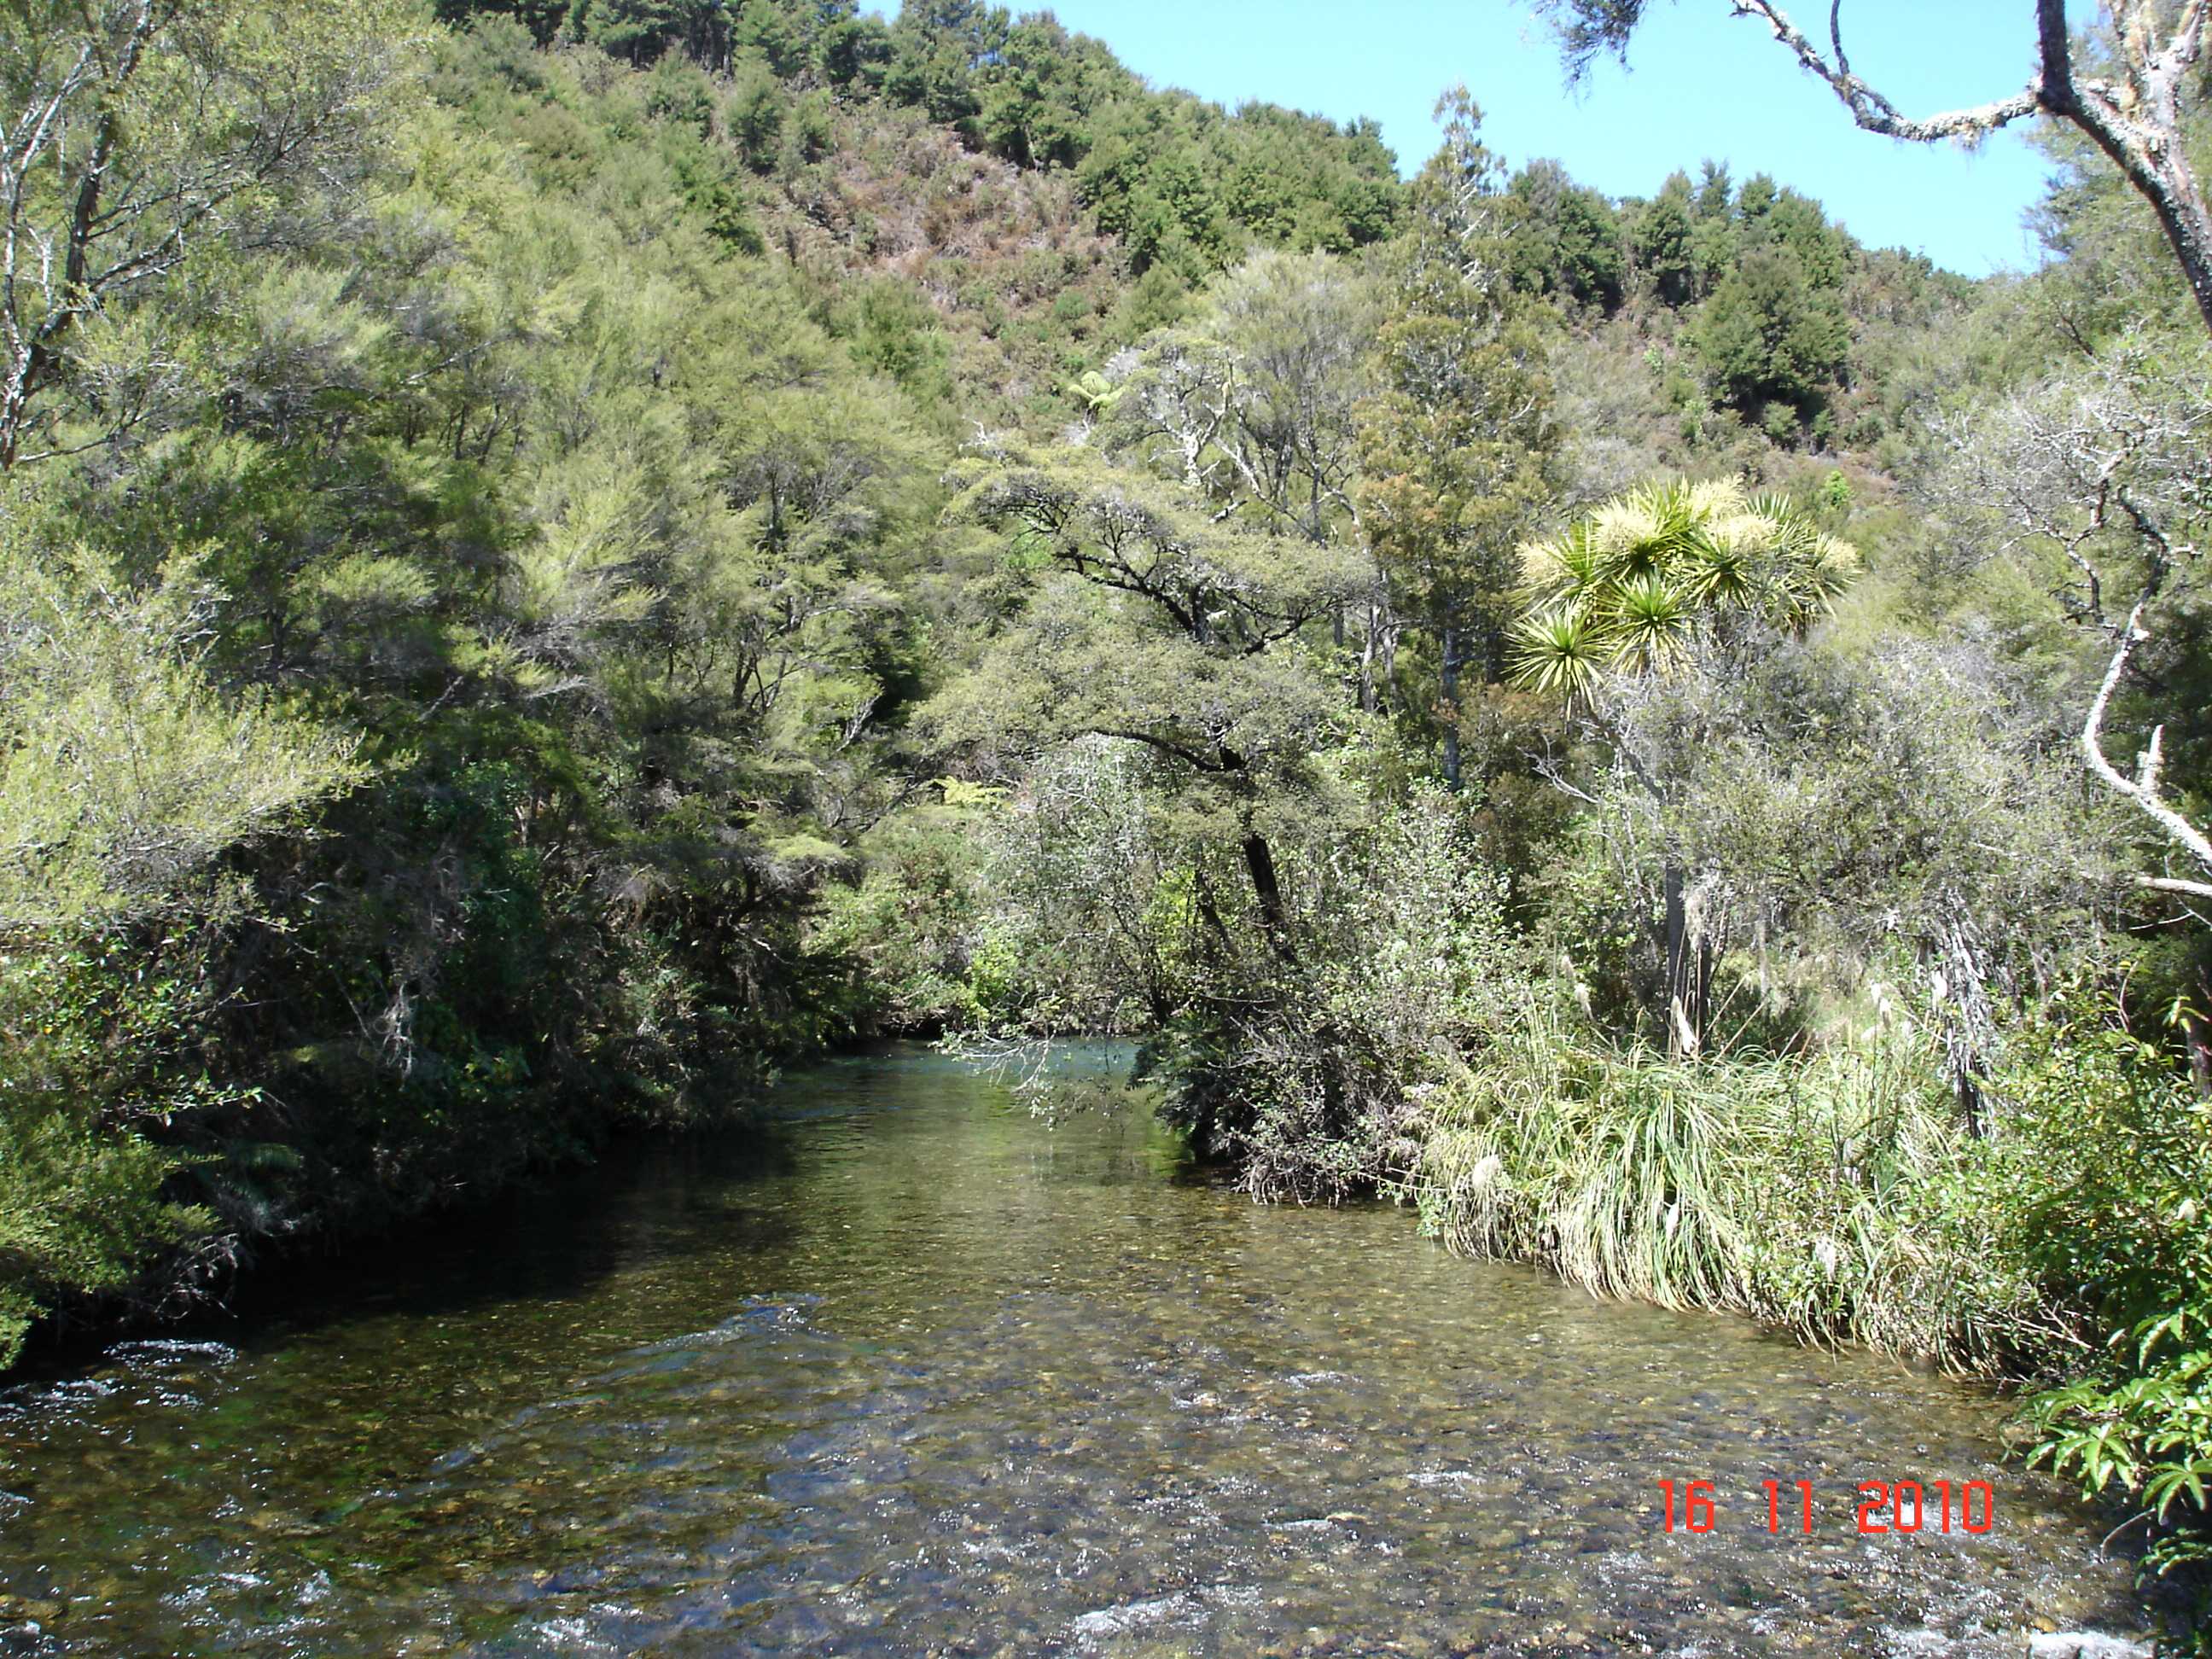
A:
[1637, 582]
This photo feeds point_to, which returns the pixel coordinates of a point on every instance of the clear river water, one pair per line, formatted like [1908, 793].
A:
[911, 1372]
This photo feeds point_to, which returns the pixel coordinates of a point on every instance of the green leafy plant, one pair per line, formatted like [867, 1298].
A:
[1632, 584]
[2118, 1224]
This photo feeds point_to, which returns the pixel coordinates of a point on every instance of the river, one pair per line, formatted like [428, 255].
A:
[911, 1372]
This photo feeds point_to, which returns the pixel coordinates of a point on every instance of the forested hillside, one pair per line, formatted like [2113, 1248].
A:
[557, 557]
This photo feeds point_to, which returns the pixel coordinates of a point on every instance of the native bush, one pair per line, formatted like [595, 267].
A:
[1303, 1066]
[2111, 1212]
[107, 1069]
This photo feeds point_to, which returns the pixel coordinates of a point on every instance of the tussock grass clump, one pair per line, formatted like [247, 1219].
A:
[1829, 1195]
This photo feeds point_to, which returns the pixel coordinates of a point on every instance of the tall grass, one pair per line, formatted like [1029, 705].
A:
[1833, 1196]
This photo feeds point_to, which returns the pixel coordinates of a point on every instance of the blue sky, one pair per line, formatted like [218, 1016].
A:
[1702, 84]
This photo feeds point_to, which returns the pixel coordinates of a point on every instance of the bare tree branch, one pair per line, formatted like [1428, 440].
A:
[2141, 789]
[2135, 120]
[1869, 107]
[2173, 884]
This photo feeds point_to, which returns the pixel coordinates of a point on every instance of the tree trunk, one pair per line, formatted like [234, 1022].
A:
[2140, 130]
[1449, 700]
[2166, 183]
[1689, 971]
[1267, 887]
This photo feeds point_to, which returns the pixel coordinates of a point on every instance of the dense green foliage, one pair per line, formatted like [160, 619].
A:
[1180, 182]
[469, 560]
[2121, 1223]
[434, 701]
[665, 534]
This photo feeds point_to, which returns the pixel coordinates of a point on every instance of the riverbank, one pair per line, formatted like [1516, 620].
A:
[2059, 1248]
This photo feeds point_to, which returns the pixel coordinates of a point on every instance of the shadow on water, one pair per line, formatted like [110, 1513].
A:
[907, 1371]
[552, 1233]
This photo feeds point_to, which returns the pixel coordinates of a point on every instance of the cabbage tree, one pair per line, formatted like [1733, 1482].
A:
[1637, 583]
[1639, 586]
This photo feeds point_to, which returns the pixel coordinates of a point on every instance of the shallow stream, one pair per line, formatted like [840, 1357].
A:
[914, 1373]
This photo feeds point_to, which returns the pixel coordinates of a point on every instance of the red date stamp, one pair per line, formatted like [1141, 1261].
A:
[1883, 1506]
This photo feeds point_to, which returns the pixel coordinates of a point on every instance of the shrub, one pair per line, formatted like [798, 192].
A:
[2114, 1219]
[1309, 1074]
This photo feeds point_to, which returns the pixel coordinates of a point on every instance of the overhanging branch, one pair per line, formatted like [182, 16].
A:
[2143, 788]
[1869, 107]
[2136, 119]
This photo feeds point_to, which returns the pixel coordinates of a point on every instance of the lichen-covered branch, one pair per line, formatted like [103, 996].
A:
[2142, 789]
[2135, 120]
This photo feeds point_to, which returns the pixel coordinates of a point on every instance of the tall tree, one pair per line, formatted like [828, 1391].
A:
[1767, 336]
[1257, 404]
[1459, 447]
[1154, 621]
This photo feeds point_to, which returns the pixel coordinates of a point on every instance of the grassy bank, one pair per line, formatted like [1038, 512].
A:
[1840, 1198]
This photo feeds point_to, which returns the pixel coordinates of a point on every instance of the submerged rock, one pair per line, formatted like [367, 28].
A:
[2086, 1644]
